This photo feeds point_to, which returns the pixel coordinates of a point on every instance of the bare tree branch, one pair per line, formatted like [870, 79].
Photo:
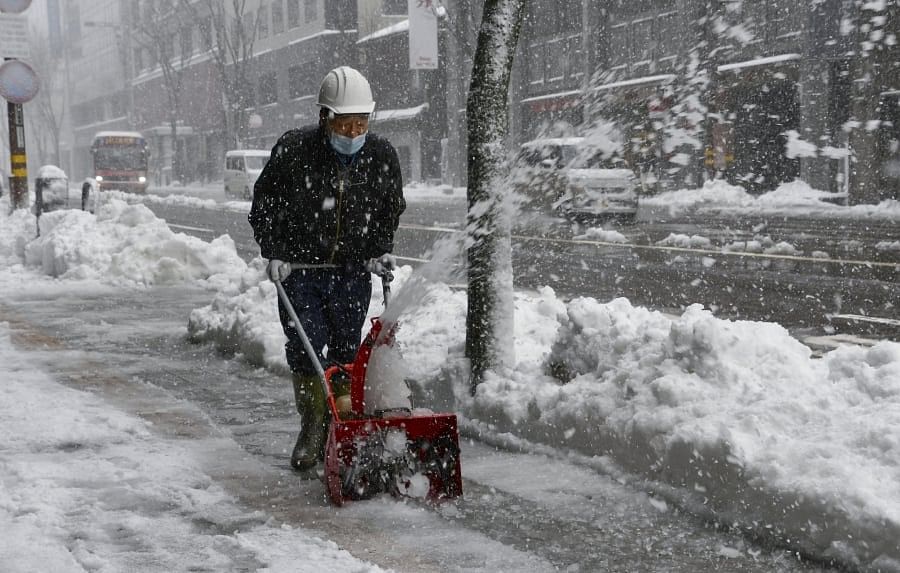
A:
[156, 36]
[234, 36]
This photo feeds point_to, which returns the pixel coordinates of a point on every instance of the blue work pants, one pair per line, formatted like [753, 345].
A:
[331, 305]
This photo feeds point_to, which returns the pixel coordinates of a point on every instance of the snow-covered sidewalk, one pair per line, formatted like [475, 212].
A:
[735, 420]
[86, 487]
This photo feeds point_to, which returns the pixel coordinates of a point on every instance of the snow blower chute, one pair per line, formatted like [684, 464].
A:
[402, 451]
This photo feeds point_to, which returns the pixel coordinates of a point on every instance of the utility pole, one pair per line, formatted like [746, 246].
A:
[18, 175]
[18, 84]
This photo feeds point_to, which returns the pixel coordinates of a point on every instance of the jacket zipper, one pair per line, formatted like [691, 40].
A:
[337, 233]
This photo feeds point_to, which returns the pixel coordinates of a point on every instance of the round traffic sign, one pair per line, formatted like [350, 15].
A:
[18, 82]
[14, 6]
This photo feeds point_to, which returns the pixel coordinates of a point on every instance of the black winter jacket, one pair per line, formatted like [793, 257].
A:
[309, 207]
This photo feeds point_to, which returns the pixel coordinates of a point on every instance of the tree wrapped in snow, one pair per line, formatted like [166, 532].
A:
[490, 307]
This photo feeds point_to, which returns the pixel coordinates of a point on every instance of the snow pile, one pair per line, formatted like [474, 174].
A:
[16, 229]
[685, 241]
[124, 499]
[212, 195]
[773, 440]
[244, 318]
[123, 244]
[715, 193]
[794, 194]
[736, 418]
[172, 200]
[51, 172]
[602, 235]
[782, 248]
[789, 199]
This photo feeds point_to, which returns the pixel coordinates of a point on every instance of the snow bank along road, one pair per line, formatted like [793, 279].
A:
[798, 274]
[523, 511]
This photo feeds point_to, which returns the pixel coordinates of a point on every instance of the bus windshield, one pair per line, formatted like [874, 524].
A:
[131, 157]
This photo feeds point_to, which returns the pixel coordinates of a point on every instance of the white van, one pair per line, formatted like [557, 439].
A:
[566, 175]
[242, 167]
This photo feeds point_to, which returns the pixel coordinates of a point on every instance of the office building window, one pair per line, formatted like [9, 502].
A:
[536, 64]
[293, 13]
[249, 21]
[187, 42]
[262, 29]
[277, 16]
[206, 37]
[268, 88]
[395, 7]
[73, 23]
[619, 52]
[301, 82]
[642, 41]
[246, 95]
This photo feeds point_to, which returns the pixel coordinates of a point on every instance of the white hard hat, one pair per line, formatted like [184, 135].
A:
[345, 90]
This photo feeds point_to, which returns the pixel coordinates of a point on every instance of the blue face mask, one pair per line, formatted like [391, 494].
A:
[347, 145]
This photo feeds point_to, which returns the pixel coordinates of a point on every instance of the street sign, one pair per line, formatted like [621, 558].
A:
[423, 35]
[18, 82]
[14, 6]
[14, 37]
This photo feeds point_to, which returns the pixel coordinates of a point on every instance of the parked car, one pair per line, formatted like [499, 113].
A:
[566, 176]
[242, 168]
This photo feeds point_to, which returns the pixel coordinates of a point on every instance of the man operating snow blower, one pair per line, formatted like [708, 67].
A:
[325, 210]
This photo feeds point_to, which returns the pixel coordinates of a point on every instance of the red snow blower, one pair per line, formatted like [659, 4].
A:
[401, 451]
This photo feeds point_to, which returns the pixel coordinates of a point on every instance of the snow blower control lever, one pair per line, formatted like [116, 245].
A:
[397, 451]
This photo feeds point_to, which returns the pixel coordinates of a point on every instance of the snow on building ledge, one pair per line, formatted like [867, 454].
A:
[758, 62]
[399, 114]
[556, 95]
[660, 79]
[398, 28]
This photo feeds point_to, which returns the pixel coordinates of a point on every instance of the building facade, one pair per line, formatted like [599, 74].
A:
[197, 82]
[95, 73]
[241, 79]
[758, 93]
[754, 92]
[410, 104]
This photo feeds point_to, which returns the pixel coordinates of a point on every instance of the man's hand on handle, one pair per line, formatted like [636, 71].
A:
[278, 270]
[381, 265]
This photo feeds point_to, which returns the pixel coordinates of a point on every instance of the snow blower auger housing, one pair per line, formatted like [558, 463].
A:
[401, 451]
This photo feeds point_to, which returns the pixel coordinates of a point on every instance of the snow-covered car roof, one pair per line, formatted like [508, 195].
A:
[118, 134]
[596, 173]
[553, 141]
[248, 153]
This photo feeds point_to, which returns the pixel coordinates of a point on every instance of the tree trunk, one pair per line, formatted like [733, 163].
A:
[173, 128]
[489, 342]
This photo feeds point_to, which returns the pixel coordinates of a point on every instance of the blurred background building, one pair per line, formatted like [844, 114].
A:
[758, 93]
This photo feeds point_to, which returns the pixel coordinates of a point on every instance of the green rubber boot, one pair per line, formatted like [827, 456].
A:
[310, 398]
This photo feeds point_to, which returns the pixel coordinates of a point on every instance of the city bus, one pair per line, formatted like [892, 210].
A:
[120, 160]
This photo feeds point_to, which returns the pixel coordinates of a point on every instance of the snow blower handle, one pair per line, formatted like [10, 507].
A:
[386, 278]
[305, 339]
